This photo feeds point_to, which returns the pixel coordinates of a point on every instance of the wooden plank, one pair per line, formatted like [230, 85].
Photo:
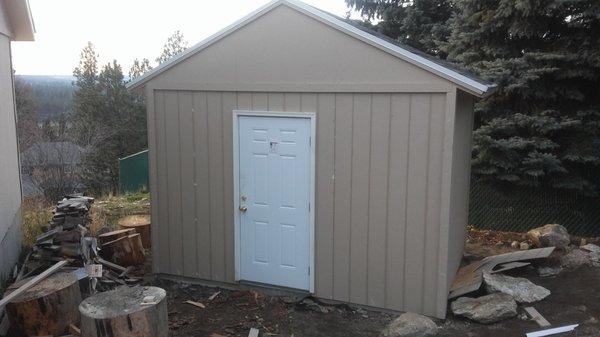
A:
[174, 182]
[308, 102]
[361, 148]
[434, 182]
[188, 184]
[253, 332]
[416, 202]
[37, 279]
[324, 204]
[342, 192]
[162, 225]
[202, 190]
[536, 316]
[552, 331]
[215, 162]
[378, 194]
[397, 184]
[229, 104]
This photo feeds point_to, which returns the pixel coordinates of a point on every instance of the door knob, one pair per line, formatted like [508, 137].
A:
[243, 208]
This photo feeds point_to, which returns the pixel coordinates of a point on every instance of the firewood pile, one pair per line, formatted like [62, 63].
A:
[67, 237]
[66, 265]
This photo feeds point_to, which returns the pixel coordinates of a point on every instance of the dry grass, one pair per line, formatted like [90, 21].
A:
[35, 215]
[107, 211]
[132, 220]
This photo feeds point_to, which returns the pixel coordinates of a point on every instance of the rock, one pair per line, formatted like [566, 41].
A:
[552, 235]
[515, 244]
[549, 271]
[410, 324]
[579, 257]
[524, 246]
[590, 247]
[521, 289]
[486, 309]
[314, 306]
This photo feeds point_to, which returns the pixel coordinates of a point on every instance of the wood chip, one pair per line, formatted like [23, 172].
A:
[197, 304]
[74, 330]
[253, 332]
[213, 296]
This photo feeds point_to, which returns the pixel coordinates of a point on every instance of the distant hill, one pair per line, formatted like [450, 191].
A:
[53, 94]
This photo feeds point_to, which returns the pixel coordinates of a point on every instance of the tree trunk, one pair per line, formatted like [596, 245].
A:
[125, 251]
[144, 229]
[111, 236]
[125, 312]
[46, 308]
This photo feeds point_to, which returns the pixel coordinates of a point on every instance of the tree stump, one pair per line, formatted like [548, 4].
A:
[125, 251]
[112, 236]
[125, 312]
[48, 308]
[141, 224]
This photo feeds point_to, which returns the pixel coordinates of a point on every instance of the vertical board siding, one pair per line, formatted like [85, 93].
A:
[342, 192]
[201, 170]
[188, 189]
[378, 195]
[324, 232]
[359, 209]
[173, 174]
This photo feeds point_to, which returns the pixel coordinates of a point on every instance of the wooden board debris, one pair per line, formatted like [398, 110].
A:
[470, 277]
[553, 331]
[536, 316]
[253, 332]
[197, 304]
[213, 296]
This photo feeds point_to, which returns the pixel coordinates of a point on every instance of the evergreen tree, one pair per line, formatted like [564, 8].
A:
[421, 24]
[542, 125]
[175, 45]
[139, 68]
[87, 98]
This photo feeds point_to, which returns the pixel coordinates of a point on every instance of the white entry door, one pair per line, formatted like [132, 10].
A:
[274, 187]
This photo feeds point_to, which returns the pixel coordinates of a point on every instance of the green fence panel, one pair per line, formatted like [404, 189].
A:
[133, 172]
[520, 209]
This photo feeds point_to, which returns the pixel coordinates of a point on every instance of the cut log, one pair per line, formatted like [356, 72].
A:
[141, 224]
[48, 308]
[125, 251]
[124, 312]
[112, 236]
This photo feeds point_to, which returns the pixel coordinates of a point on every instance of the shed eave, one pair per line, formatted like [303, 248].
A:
[471, 85]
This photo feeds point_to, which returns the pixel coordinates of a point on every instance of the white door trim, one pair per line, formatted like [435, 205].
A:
[236, 189]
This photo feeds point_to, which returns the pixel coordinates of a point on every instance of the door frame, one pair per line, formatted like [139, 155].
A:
[236, 189]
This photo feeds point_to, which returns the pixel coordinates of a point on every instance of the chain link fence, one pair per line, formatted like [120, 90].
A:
[519, 209]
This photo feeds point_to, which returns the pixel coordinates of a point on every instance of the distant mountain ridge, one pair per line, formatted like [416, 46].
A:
[53, 93]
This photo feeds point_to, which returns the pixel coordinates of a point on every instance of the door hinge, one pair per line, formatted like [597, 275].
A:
[308, 270]
[309, 206]
[309, 141]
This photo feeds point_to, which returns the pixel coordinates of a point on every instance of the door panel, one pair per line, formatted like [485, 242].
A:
[274, 176]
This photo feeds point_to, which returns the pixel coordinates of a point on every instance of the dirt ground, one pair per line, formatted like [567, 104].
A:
[574, 299]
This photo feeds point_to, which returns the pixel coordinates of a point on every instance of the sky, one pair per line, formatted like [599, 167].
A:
[125, 29]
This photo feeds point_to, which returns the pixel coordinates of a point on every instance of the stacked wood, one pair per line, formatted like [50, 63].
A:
[125, 250]
[137, 312]
[47, 308]
[141, 224]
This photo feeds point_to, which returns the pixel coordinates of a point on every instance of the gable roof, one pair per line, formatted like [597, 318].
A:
[429, 63]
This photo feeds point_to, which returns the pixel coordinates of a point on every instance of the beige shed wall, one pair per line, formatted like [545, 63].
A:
[10, 191]
[285, 50]
[378, 190]
[461, 174]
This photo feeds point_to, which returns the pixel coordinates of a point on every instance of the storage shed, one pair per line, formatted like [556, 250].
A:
[294, 149]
